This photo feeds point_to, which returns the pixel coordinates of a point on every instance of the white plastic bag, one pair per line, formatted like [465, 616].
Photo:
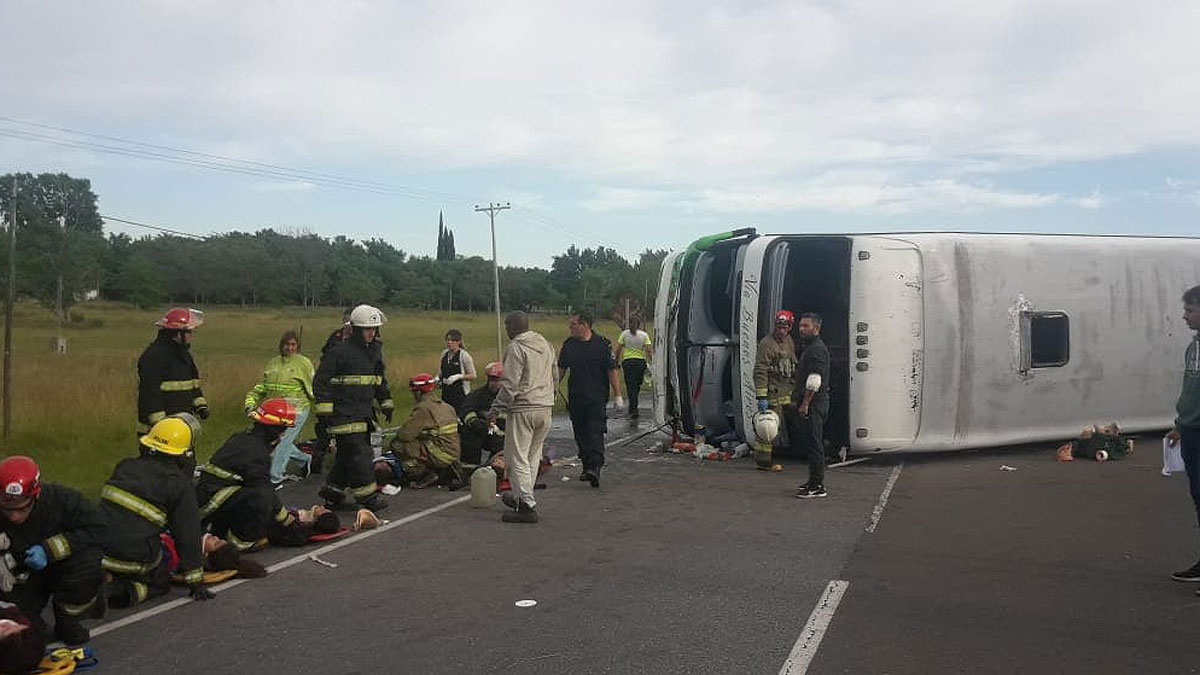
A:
[1172, 461]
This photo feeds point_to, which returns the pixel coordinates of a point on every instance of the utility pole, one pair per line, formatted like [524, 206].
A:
[8, 309]
[60, 344]
[491, 210]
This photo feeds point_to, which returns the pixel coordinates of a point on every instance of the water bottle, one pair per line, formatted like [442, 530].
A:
[483, 487]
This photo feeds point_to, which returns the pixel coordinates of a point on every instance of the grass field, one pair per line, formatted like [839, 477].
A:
[75, 413]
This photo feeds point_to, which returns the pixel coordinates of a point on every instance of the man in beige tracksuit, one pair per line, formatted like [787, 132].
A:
[526, 397]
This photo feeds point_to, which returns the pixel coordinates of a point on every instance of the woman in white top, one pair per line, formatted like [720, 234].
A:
[633, 353]
[457, 369]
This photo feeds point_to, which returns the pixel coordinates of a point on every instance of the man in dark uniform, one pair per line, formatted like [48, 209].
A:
[55, 535]
[145, 497]
[237, 500]
[349, 382]
[588, 356]
[168, 380]
[478, 437]
[321, 444]
[812, 393]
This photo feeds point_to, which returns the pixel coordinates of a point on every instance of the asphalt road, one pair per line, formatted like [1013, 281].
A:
[676, 565]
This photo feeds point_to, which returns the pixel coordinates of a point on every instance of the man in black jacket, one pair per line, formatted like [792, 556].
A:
[320, 428]
[350, 381]
[236, 498]
[54, 534]
[588, 358]
[812, 392]
[145, 497]
[168, 380]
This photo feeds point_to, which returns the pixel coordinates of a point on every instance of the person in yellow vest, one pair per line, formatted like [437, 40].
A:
[428, 445]
[288, 376]
[774, 380]
[634, 350]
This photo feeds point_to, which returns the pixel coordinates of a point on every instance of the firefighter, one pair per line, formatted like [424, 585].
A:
[54, 535]
[320, 428]
[350, 380]
[237, 500]
[774, 380]
[168, 380]
[479, 437]
[145, 497]
[428, 444]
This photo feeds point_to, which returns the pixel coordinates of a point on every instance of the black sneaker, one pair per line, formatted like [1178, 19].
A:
[807, 492]
[1190, 574]
[509, 500]
[523, 514]
[594, 479]
[584, 477]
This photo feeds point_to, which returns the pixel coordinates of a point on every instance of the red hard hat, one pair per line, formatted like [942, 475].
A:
[785, 316]
[275, 411]
[494, 369]
[20, 479]
[421, 382]
[180, 318]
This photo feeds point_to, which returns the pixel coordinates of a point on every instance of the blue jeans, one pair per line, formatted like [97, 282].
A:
[287, 450]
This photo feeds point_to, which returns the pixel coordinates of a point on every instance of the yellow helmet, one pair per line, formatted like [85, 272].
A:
[171, 436]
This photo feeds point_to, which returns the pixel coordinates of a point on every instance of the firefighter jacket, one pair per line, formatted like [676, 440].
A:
[62, 521]
[168, 382]
[475, 406]
[289, 377]
[430, 436]
[335, 338]
[352, 377]
[775, 370]
[144, 497]
[241, 465]
[476, 435]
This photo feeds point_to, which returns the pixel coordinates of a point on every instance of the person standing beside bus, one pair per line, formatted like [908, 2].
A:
[774, 379]
[634, 351]
[457, 369]
[589, 359]
[1187, 422]
[812, 392]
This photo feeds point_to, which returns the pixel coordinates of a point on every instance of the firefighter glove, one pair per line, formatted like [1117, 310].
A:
[202, 412]
[35, 557]
[200, 593]
[452, 379]
[763, 405]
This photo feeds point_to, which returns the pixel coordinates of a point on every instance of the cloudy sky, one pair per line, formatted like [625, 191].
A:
[629, 124]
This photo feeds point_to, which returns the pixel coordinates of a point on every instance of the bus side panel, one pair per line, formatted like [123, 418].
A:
[887, 344]
[666, 305]
[747, 333]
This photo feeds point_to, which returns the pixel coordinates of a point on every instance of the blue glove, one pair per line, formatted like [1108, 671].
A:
[35, 557]
[762, 405]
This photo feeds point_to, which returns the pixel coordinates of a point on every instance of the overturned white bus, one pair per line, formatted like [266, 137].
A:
[938, 341]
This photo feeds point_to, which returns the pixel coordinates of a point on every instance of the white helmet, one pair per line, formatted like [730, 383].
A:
[766, 425]
[366, 316]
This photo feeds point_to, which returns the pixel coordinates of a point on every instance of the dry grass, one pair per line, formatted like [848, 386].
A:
[75, 413]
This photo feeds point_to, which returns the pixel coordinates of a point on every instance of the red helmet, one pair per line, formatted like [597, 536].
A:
[422, 382]
[20, 479]
[180, 318]
[494, 369]
[785, 316]
[275, 411]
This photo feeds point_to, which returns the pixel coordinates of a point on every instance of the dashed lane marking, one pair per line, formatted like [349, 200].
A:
[883, 497]
[805, 649]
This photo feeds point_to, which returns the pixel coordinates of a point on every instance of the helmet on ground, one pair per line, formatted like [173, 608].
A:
[275, 411]
[171, 436]
[20, 479]
[785, 316]
[494, 369]
[766, 425]
[366, 316]
[421, 382]
[180, 318]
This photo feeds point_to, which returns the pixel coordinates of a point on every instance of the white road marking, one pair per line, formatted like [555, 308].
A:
[283, 564]
[805, 649]
[883, 497]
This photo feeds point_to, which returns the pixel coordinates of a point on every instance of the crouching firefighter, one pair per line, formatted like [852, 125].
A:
[53, 537]
[237, 500]
[349, 382]
[427, 444]
[481, 440]
[168, 380]
[774, 379]
[145, 497]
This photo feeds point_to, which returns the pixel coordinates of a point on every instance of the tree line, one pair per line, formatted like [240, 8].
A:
[272, 268]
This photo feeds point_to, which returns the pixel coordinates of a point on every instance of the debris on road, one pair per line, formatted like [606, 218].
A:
[1172, 460]
[313, 557]
[1100, 443]
[525, 603]
[1005, 467]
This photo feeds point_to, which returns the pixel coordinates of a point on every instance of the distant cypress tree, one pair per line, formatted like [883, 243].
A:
[445, 247]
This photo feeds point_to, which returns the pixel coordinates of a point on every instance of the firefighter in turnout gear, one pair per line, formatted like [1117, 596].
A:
[428, 444]
[774, 379]
[481, 440]
[350, 381]
[168, 380]
[145, 497]
[54, 535]
[237, 500]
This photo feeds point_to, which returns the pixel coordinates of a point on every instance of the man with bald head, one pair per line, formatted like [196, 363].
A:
[526, 398]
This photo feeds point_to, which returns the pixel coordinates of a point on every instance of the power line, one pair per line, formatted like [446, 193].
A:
[152, 227]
